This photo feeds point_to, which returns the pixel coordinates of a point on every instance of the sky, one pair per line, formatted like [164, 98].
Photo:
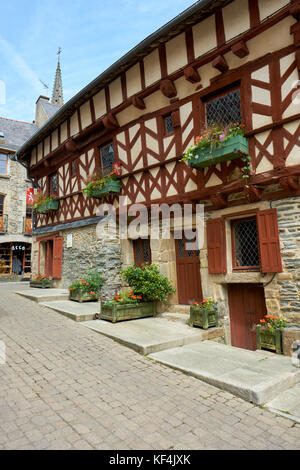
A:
[93, 34]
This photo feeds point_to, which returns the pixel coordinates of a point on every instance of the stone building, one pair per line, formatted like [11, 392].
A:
[234, 61]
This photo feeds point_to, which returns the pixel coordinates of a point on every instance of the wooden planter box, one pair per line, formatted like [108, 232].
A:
[116, 312]
[44, 284]
[46, 207]
[113, 186]
[270, 340]
[227, 151]
[203, 317]
[80, 296]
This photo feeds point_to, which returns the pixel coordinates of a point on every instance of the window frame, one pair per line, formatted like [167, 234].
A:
[219, 94]
[102, 146]
[3, 202]
[49, 184]
[74, 162]
[142, 241]
[236, 268]
[164, 123]
[6, 163]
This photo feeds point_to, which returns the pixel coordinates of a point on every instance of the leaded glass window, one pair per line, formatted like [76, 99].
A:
[169, 129]
[53, 184]
[107, 158]
[245, 242]
[142, 251]
[224, 110]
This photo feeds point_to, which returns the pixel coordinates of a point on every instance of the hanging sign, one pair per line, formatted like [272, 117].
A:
[117, 167]
[29, 196]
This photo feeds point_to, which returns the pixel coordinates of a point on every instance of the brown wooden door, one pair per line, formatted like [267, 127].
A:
[188, 274]
[48, 258]
[246, 307]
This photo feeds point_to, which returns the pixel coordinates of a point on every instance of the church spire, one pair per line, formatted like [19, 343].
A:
[57, 95]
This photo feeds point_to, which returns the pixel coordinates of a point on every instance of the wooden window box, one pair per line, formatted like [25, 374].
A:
[109, 187]
[203, 317]
[115, 313]
[81, 296]
[229, 150]
[270, 340]
[43, 284]
[44, 208]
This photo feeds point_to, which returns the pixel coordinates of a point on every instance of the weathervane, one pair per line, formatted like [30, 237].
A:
[58, 53]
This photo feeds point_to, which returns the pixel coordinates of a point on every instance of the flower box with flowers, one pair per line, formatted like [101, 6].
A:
[217, 145]
[86, 289]
[204, 314]
[101, 187]
[269, 333]
[41, 282]
[126, 306]
[46, 204]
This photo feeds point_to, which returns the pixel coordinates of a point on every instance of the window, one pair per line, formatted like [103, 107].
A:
[3, 164]
[225, 109]
[1, 205]
[245, 244]
[28, 212]
[107, 156]
[53, 184]
[168, 124]
[142, 251]
[73, 167]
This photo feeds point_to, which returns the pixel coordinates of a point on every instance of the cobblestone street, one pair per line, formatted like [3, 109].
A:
[66, 387]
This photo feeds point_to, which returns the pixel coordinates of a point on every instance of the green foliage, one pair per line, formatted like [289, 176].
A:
[206, 304]
[148, 282]
[90, 283]
[99, 183]
[272, 323]
[124, 298]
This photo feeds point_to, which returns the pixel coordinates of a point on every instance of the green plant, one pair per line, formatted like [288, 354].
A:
[206, 303]
[123, 298]
[98, 182]
[90, 283]
[39, 277]
[41, 199]
[148, 282]
[213, 137]
[272, 323]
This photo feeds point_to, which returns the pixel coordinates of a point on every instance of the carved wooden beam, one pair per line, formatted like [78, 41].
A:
[220, 64]
[295, 11]
[138, 102]
[176, 118]
[71, 146]
[191, 74]
[168, 88]
[219, 200]
[110, 122]
[289, 182]
[240, 49]
[253, 193]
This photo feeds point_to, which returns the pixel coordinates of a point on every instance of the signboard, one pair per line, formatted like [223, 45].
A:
[29, 197]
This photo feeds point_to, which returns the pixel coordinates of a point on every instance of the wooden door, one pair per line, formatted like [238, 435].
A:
[247, 307]
[188, 274]
[48, 258]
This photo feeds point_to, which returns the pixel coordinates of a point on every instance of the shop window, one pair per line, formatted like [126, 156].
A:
[142, 251]
[3, 164]
[245, 244]
[224, 109]
[107, 156]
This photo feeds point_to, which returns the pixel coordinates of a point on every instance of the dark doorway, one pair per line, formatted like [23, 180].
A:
[188, 274]
[247, 307]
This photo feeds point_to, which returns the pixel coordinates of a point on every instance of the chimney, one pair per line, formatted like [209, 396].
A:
[40, 115]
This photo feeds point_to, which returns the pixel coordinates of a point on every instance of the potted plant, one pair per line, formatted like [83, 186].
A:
[44, 204]
[40, 281]
[204, 314]
[87, 288]
[217, 144]
[99, 187]
[269, 333]
[148, 286]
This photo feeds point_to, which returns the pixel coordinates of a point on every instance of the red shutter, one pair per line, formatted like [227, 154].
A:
[268, 239]
[57, 257]
[216, 246]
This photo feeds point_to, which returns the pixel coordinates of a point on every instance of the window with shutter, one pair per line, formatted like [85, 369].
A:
[57, 257]
[216, 246]
[269, 244]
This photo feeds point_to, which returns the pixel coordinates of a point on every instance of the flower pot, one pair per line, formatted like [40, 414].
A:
[228, 150]
[42, 284]
[203, 317]
[82, 296]
[113, 186]
[45, 207]
[269, 339]
[116, 312]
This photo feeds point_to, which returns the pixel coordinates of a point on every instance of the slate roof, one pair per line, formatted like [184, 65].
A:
[15, 133]
[49, 108]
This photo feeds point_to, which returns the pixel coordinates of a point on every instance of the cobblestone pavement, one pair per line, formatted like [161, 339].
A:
[66, 387]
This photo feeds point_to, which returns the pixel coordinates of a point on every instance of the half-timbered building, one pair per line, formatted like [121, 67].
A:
[238, 60]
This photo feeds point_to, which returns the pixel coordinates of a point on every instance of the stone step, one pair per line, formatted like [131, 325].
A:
[44, 295]
[76, 311]
[179, 308]
[175, 317]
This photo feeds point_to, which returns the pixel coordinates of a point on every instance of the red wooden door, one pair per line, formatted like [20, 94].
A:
[188, 274]
[246, 307]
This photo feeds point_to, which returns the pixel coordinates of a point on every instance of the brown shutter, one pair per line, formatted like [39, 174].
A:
[216, 246]
[57, 257]
[268, 239]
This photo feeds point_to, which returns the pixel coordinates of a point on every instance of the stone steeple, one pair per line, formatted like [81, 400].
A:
[57, 95]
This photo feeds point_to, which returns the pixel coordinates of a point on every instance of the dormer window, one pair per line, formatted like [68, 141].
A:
[107, 156]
